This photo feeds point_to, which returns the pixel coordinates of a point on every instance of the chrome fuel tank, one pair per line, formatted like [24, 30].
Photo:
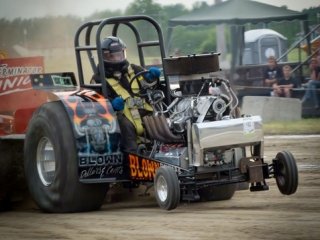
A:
[225, 134]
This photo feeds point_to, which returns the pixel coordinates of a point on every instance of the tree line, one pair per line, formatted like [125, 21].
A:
[58, 31]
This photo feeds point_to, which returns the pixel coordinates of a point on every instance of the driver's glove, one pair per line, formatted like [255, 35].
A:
[152, 74]
[118, 104]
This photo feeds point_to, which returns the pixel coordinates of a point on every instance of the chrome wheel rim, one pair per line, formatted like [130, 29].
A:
[46, 162]
[162, 188]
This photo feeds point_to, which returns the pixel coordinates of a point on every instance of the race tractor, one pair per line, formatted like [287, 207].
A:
[195, 146]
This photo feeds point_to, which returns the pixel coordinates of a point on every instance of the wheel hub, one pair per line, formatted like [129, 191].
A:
[162, 188]
[46, 162]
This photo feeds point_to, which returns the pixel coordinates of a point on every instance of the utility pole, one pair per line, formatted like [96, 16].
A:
[221, 42]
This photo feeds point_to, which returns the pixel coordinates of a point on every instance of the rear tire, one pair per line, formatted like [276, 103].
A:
[217, 193]
[13, 189]
[167, 188]
[51, 164]
[286, 173]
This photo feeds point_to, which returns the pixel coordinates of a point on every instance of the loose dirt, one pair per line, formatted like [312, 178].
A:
[248, 215]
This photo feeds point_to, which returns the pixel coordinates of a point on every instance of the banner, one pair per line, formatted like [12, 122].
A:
[14, 73]
[17, 99]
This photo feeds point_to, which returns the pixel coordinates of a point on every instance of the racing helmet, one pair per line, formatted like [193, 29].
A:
[113, 51]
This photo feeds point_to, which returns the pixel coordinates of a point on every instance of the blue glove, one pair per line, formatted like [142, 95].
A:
[152, 74]
[118, 104]
[155, 72]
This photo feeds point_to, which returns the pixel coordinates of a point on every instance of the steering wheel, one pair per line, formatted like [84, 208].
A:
[142, 86]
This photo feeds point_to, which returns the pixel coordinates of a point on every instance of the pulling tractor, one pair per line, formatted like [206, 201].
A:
[195, 146]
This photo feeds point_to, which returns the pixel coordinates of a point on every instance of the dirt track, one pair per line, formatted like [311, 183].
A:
[259, 215]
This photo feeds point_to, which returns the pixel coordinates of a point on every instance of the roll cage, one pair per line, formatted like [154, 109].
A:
[88, 39]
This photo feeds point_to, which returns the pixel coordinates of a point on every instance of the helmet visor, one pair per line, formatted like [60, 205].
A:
[114, 57]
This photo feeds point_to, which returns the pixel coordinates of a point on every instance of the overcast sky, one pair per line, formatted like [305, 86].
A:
[11, 9]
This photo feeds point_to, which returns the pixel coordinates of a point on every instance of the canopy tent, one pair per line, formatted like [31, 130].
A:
[236, 13]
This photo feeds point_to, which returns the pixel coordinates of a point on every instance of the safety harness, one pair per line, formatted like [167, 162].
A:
[132, 104]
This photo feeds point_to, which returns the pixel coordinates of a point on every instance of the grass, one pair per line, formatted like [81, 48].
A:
[293, 56]
[303, 126]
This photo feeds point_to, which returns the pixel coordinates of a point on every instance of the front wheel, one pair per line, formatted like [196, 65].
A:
[167, 188]
[286, 172]
[51, 164]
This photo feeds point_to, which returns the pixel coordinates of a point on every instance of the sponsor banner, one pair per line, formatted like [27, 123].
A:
[14, 73]
[17, 99]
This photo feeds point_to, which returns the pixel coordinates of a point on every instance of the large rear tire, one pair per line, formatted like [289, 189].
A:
[167, 188]
[13, 188]
[51, 164]
[217, 193]
[286, 172]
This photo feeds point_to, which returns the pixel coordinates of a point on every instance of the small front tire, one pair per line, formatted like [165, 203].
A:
[286, 172]
[167, 188]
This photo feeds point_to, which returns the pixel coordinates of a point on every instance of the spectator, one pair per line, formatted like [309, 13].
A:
[318, 57]
[283, 87]
[272, 73]
[313, 84]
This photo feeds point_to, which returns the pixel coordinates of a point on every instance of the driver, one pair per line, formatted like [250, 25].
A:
[118, 75]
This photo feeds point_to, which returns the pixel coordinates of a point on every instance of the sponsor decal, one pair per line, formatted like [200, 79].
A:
[98, 166]
[97, 136]
[100, 160]
[100, 172]
[248, 125]
[142, 168]
[14, 84]
[14, 73]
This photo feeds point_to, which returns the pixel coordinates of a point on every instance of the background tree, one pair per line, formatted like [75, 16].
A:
[58, 32]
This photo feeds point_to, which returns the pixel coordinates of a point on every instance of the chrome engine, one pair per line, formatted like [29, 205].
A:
[219, 103]
[202, 125]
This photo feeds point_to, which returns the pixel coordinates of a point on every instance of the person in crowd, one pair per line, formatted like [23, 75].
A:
[272, 73]
[313, 84]
[283, 87]
[121, 90]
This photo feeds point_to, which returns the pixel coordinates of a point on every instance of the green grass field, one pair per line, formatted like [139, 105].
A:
[293, 56]
[304, 126]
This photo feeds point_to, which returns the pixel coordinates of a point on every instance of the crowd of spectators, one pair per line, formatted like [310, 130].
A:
[283, 82]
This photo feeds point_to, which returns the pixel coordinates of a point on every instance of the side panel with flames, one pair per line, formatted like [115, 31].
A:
[97, 136]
